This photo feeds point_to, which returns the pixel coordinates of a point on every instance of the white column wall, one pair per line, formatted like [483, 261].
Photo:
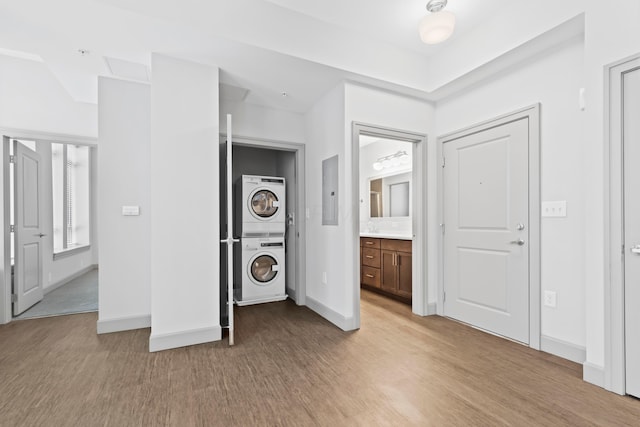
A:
[326, 251]
[123, 179]
[185, 234]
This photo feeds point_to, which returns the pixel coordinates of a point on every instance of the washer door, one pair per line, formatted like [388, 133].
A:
[263, 269]
[264, 204]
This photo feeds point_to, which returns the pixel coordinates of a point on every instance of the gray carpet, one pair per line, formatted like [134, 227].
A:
[78, 296]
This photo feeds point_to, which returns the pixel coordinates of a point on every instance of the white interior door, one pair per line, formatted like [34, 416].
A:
[229, 240]
[631, 138]
[486, 239]
[27, 282]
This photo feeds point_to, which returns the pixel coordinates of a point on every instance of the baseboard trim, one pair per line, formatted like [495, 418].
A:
[159, 342]
[432, 308]
[563, 349]
[66, 280]
[593, 374]
[342, 322]
[119, 324]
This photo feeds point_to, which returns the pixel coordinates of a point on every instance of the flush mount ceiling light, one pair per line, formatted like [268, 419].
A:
[395, 159]
[438, 25]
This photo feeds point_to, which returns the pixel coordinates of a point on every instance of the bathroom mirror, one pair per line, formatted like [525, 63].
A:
[390, 196]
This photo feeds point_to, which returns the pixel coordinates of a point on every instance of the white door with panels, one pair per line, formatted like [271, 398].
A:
[27, 281]
[631, 147]
[486, 235]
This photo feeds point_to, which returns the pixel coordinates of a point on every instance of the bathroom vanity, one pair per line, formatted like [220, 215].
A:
[385, 265]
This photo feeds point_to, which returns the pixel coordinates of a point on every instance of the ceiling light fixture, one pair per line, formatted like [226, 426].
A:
[395, 159]
[438, 25]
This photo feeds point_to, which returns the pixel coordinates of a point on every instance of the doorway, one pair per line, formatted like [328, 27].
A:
[391, 261]
[50, 256]
[622, 263]
[267, 158]
[490, 219]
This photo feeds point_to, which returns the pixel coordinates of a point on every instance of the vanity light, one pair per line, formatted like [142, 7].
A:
[438, 25]
[392, 160]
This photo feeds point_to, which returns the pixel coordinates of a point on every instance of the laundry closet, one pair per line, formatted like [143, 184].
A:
[264, 194]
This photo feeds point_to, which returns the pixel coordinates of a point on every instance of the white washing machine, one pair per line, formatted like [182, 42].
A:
[262, 207]
[260, 276]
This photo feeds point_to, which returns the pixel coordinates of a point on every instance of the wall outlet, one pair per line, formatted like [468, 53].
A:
[324, 277]
[550, 299]
[554, 209]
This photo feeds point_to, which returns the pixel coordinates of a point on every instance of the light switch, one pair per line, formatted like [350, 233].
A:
[131, 210]
[554, 209]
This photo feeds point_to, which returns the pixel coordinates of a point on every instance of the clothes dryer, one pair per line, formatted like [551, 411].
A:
[261, 205]
[260, 276]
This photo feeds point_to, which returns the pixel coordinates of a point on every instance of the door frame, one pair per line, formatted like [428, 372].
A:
[532, 113]
[420, 285]
[299, 150]
[614, 302]
[5, 248]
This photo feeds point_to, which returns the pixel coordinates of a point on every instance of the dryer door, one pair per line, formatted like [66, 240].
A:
[264, 204]
[263, 269]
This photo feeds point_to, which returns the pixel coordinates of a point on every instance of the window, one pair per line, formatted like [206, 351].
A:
[70, 181]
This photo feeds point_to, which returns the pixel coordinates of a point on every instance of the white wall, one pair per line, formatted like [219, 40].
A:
[612, 33]
[31, 98]
[124, 275]
[185, 217]
[255, 121]
[325, 244]
[553, 80]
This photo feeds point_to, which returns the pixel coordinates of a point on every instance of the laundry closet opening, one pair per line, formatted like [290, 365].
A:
[267, 187]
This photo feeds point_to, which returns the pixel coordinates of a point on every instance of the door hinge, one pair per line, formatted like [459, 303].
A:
[444, 296]
[12, 228]
[12, 159]
[623, 250]
[442, 227]
[14, 298]
[443, 162]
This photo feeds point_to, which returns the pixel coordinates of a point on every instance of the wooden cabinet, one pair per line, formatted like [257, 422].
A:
[386, 266]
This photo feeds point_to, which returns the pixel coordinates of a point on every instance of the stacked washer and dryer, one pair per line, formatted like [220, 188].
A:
[259, 272]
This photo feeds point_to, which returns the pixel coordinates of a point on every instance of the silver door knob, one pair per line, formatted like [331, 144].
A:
[518, 242]
[635, 249]
[519, 226]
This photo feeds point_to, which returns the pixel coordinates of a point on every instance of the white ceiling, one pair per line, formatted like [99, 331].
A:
[300, 47]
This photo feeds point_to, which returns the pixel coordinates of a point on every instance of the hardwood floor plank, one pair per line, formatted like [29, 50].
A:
[290, 367]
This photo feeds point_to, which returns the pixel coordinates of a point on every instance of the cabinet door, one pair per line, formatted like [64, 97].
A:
[404, 274]
[388, 270]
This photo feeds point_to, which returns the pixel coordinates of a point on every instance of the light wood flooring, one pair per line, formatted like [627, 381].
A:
[291, 367]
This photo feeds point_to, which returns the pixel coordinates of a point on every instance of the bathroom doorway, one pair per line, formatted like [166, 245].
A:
[390, 176]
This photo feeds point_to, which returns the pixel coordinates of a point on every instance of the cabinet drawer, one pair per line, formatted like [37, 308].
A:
[367, 242]
[371, 257]
[396, 245]
[370, 276]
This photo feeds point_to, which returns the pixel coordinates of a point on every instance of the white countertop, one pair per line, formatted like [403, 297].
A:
[385, 235]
